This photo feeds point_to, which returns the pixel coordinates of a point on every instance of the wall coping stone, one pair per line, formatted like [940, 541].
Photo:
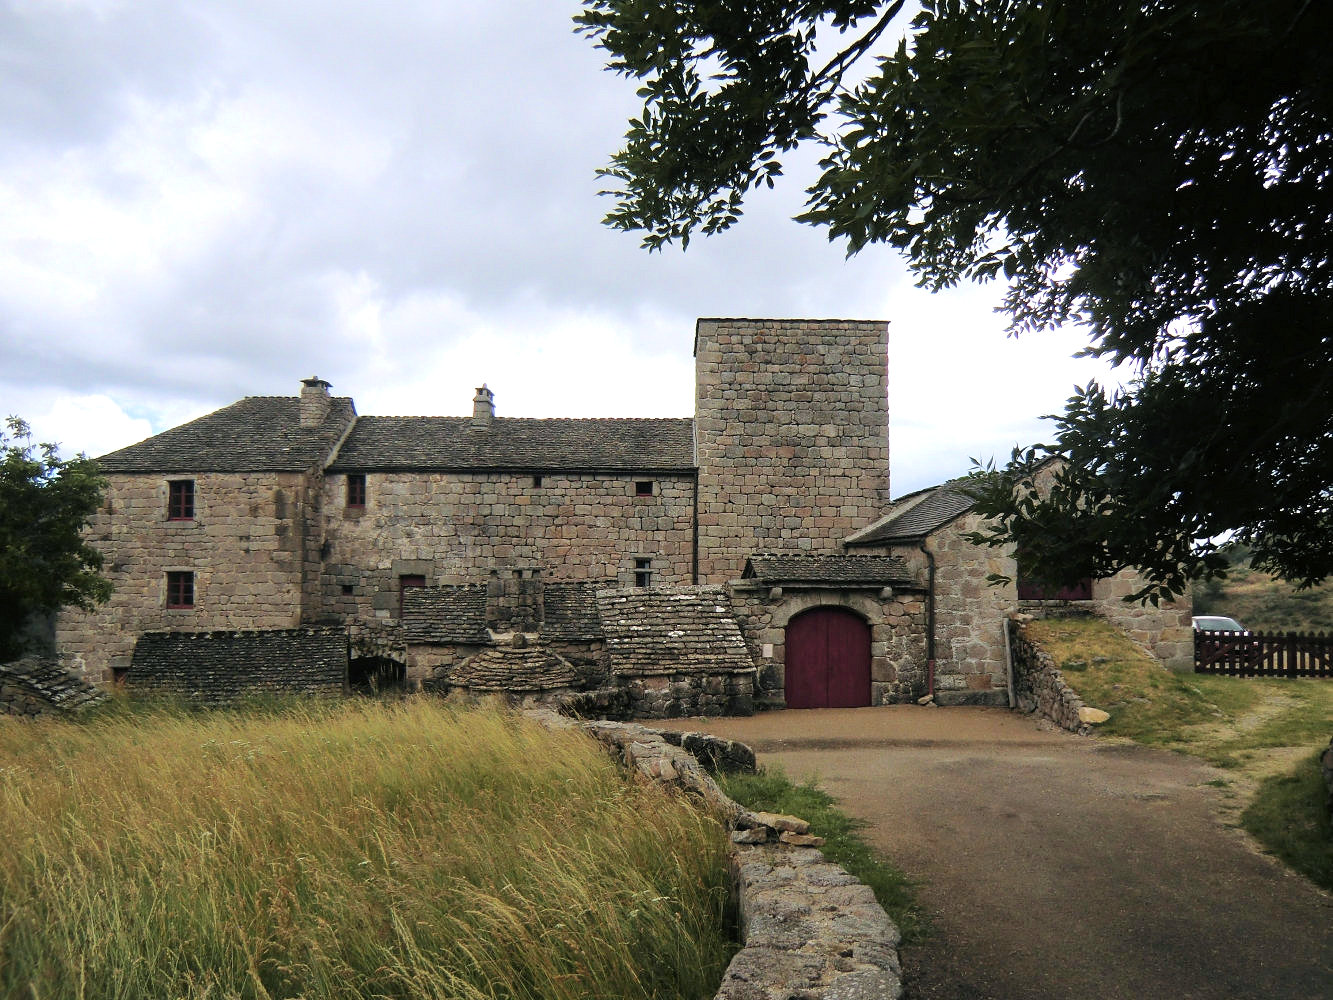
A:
[809, 929]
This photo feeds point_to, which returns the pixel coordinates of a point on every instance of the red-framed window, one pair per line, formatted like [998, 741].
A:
[356, 489]
[406, 583]
[180, 500]
[180, 589]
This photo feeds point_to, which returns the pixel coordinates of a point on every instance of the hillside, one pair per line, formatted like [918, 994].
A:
[1263, 604]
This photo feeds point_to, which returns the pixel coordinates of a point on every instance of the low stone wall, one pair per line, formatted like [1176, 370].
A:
[809, 929]
[40, 686]
[1039, 686]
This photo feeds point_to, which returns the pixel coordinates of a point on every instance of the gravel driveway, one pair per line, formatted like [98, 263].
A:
[1057, 866]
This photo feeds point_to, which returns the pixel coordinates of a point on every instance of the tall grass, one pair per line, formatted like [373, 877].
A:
[362, 850]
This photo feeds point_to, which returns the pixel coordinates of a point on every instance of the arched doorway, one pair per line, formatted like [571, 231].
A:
[828, 659]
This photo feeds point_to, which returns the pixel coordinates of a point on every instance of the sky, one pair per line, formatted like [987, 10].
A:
[208, 200]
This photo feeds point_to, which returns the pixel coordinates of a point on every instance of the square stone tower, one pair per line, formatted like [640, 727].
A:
[791, 436]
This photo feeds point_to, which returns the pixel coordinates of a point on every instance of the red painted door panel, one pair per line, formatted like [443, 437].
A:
[827, 660]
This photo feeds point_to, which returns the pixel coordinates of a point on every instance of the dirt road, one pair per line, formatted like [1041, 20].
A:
[1058, 866]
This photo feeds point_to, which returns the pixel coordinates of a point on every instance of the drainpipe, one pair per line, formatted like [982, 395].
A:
[930, 619]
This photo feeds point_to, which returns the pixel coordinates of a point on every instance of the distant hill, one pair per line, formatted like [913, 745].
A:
[1261, 603]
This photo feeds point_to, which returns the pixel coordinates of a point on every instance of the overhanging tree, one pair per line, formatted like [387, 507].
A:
[45, 564]
[1159, 172]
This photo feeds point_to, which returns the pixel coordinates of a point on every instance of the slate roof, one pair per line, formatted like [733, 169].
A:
[571, 610]
[839, 570]
[50, 683]
[672, 631]
[212, 668]
[383, 444]
[445, 614]
[509, 668]
[936, 507]
[256, 434]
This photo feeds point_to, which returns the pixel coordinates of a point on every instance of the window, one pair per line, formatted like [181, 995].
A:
[180, 589]
[356, 489]
[406, 583]
[643, 488]
[536, 482]
[180, 500]
[643, 572]
[119, 676]
[348, 590]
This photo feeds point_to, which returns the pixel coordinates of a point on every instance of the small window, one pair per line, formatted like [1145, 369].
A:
[348, 589]
[536, 482]
[643, 572]
[180, 500]
[643, 488]
[406, 583]
[180, 589]
[119, 675]
[356, 490]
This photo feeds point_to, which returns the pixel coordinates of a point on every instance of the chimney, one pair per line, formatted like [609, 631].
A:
[315, 401]
[483, 408]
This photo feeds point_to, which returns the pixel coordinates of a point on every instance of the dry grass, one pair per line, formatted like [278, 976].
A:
[357, 851]
[1263, 604]
[1262, 729]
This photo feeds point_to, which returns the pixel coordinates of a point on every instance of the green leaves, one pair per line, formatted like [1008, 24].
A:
[45, 503]
[1157, 172]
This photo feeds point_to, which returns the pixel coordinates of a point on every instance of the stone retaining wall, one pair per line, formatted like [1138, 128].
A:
[39, 686]
[809, 929]
[1039, 686]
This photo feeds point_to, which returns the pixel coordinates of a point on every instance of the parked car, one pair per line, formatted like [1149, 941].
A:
[1217, 623]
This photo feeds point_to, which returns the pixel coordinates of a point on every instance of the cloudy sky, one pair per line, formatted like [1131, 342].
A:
[206, 200]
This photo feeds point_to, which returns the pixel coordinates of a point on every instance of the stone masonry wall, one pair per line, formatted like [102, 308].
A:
[969, 614]
[791, 436]
[1165, 631]
[897, 636]
[456, 527]
[244, 546]
[1039, 686]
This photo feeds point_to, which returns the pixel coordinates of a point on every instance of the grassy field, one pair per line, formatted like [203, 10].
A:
[772, 791]
[1263, 604]
[1265, 731]
[349, 851]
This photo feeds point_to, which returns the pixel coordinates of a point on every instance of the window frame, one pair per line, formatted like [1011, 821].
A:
[181, 504]
[180, 590]
[355, 495]
[643, 572]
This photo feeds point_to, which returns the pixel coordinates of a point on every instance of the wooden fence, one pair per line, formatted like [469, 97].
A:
[1263, 654]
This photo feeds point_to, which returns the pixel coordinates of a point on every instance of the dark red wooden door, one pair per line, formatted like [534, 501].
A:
[827, 660]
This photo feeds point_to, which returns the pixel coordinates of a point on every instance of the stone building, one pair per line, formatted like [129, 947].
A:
[747, 555]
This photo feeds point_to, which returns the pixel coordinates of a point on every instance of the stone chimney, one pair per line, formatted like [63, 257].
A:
[515, 600]
[483, 408]
[315, 401]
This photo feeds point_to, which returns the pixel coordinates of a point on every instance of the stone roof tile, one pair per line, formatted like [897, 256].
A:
[672, 630]
[255, 434]
[571, 610]
[445, 614]
[50, 683]
[513, 669]
[777, 568]
[423, 443]
[212, 668]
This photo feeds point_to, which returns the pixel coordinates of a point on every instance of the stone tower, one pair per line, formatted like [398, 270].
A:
[791, 436]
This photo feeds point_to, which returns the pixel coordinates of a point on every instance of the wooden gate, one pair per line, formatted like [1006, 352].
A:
[827, 660]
